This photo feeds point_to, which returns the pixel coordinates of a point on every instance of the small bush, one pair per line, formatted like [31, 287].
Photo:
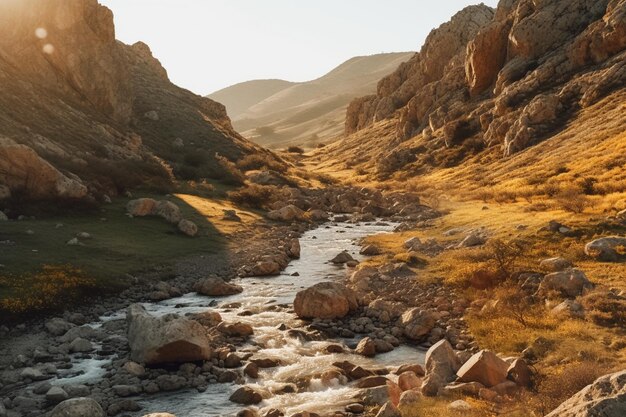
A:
[295, 149]
[554, 389]
[606, 309]
[254, 196]
[258, 161]
[572, 199]
[229, 173]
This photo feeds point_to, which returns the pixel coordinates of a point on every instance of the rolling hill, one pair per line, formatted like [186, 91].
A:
[279, 113]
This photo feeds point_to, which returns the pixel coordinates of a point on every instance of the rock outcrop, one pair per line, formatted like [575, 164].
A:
[74, 103]
[505, 78]
[167, 339]
[605, 397]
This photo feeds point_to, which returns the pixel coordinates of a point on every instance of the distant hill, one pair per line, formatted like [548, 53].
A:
[304, 113]
[240, 97]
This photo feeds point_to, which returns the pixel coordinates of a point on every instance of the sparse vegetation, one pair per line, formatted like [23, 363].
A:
[254, 195]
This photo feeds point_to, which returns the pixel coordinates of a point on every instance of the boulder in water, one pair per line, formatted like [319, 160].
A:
[325, 300]
[78, 407]
[170, 338]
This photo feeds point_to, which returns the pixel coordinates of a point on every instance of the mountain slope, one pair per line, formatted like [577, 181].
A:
[94, 114]
[309, 112]
[494, 83]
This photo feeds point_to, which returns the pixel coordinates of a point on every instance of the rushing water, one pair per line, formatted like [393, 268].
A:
[300, 359]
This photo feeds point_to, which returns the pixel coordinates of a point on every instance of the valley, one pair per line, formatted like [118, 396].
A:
[440, 233]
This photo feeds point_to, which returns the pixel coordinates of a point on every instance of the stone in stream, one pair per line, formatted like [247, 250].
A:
[165, 339]
[372, 381]
[370, 250]
[56, 395]
[235, 329]
[246, 396]
[216, 287]
[366, 347]
[78, 407]
[342, 258]
[326, 300]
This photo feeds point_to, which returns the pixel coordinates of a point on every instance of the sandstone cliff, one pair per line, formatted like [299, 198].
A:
[94, 110]
[499, 79]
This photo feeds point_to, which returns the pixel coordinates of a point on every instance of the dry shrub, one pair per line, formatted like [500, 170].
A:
[295, 149]
[258, 161]
[229, 173]
[554, 389]
[254, 195]
[572, 199]
[606, 309]
[53, 288]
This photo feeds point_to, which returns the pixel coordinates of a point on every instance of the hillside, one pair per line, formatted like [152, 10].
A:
[240, 97]
[491, 84]
[304, 113]
[86, 114]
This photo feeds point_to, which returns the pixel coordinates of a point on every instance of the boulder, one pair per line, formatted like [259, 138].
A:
[188, 227]
[170, 338]
[58, 326]
[56, 395]
[471, 240]
[370, 250]
[141, 207]
[207, 318]
[441, 364]
[520, 373]
[266, 268]
[555, 264]
[246, 396]
[326, 300]
[409, 381]
[78, 407]
[607, 249]
[169, 211]
[293, 249]
[570, 282]
[484, 367]
[288, 213]
[21, 168]
[366, 347]
[372, 381]
[235, 329]
[318, 215]
[216, 287]
[605, 397]
[568, 308]
[417, 323]
[342, 258]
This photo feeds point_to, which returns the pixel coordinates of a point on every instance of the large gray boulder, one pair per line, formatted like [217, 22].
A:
[606, 397]
[570, 282]
[166, 339]
[417, 323]
[608, 249]
[78, 407]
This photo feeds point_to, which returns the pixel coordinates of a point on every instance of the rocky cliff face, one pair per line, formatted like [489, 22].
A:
[507, 77]
[94, 109]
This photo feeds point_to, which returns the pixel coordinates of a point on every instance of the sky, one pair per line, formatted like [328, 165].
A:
[206, 45]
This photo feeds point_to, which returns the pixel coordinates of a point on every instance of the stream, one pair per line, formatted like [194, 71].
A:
[300, 359]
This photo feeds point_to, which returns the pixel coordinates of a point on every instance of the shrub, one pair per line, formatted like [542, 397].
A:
[606, 309]
[229, 173]
[572, 199]
[505, 255]
[254, 196]
[295, 149]
[554, 389]
[257, 161]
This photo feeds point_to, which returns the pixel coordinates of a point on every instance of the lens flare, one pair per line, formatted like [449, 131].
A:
[48, 49]
[41, 33]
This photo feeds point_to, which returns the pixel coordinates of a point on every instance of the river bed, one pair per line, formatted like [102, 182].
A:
[300, 359]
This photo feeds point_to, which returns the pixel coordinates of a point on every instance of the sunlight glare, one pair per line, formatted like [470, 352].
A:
[41, 33]
[48, 49]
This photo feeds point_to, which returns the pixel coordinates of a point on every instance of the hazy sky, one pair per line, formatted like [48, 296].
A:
[209, 44]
